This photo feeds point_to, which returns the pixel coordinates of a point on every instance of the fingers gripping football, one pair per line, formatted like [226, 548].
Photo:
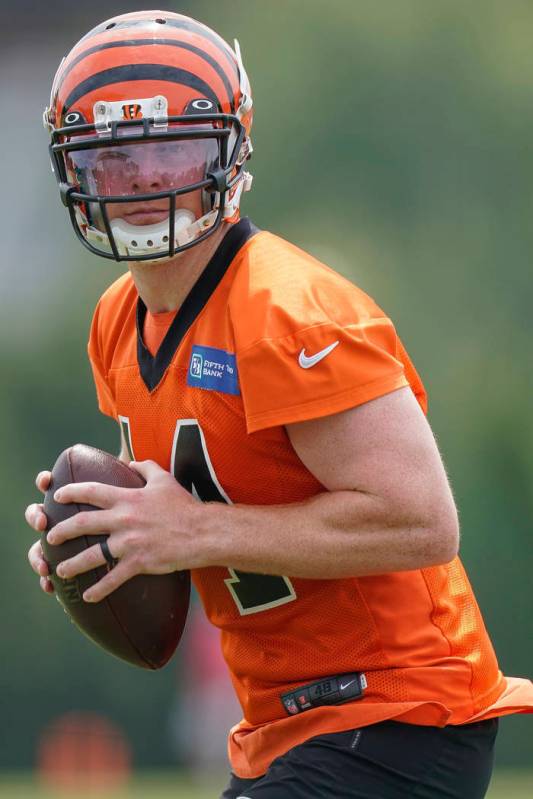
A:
[142, 619]
[34, 513]
[149, 528]
[42, 481]
[38, 564]
[89, 559]
[36, 519]
[92, 558]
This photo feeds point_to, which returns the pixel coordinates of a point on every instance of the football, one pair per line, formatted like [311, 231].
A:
[143, 620]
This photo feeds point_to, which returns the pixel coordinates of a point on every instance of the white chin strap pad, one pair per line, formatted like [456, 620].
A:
[154, 239]
[145, 239]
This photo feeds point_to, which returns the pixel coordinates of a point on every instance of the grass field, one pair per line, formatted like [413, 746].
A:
[505, 785]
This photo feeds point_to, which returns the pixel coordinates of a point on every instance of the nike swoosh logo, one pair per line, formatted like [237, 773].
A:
[342, 687]
[307, 361]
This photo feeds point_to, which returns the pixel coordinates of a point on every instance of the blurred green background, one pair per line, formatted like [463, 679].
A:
[156, 785]
[392, 140]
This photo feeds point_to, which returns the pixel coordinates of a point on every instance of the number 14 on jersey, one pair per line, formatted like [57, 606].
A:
[192, 468]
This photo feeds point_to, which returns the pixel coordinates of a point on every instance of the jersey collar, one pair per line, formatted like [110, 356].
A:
[153, 367]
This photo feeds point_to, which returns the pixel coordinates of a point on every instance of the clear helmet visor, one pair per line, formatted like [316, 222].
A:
[116, 174]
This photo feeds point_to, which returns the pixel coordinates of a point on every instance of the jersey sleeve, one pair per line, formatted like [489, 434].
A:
[295, 378]
[313, 344]
[106, 401]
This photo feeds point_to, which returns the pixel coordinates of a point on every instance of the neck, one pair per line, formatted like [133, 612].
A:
[163, 285]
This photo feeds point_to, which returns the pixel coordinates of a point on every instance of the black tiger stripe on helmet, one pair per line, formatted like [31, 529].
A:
[149, 42]
[173, 21]
[138, 72]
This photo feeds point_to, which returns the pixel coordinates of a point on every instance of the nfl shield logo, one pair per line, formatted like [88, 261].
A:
[290, 705]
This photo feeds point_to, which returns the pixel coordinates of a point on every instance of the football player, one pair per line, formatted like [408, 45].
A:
[245, 374]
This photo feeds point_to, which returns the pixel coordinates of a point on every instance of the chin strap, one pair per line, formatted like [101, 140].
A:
[146, 239]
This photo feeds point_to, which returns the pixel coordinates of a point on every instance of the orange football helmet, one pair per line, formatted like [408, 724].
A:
[150, 117]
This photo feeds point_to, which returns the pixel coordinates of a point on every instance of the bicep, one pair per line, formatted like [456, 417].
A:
[384, 448]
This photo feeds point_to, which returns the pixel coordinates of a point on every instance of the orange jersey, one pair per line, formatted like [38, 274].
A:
[269, 336]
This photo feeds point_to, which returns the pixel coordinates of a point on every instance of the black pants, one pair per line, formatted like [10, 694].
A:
[390, 760]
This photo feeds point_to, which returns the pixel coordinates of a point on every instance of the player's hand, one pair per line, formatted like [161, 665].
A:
[151, 529]
[38, 564]
[37, 520]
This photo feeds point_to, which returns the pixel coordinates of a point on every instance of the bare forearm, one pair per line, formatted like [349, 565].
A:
[335, 534]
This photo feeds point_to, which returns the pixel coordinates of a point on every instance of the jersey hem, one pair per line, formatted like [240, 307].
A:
[107, 411]
[252, 749]
[325, 406]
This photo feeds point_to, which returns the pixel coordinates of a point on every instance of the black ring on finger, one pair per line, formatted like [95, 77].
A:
[106, 552]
